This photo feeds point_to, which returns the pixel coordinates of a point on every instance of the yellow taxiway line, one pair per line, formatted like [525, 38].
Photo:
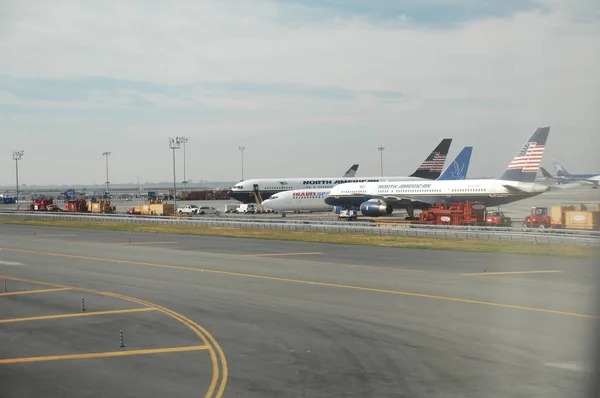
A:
[220, 374]
[139, 243]
[308, 282]
[73, 315]
[512, 272]
[104, 354]
[41, 236]
[35, 291]
[278, 254]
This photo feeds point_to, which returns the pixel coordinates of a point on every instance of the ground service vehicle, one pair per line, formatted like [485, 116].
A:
[538, 218]
[43, 205]
[246, 208]
[207, 210]
[458, 213]
[230, 208]
[497, 218]
[188, 209]
[348, 215]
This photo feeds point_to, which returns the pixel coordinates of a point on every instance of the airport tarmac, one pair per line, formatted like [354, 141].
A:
[292, 318]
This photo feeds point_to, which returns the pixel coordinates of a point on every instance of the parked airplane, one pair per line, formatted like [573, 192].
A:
[313, 199]
[430, 169]
[563, 176]
[516, 183]
[351, 171]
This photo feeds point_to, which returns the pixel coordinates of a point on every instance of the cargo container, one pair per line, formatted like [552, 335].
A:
[158, 209]
[103, 206]
[587, 220]
[76, 206]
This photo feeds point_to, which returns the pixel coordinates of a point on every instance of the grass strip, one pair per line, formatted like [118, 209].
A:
[411, 242]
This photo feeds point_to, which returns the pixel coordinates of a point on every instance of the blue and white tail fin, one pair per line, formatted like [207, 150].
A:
[351, 171]
[560, 170]
[457, 170]
[525, 165]
[432, 166]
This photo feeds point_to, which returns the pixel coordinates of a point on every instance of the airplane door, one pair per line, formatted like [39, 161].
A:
[288, 199]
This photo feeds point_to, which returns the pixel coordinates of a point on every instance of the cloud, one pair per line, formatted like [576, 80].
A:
[267, 70]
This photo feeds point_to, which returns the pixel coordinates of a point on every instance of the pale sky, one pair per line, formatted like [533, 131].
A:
[308, 87]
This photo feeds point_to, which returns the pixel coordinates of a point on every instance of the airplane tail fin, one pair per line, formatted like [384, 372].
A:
[560, 170]
[457, 170]
[525, 165]
[546, 173]
[351, 171]
[432, 167]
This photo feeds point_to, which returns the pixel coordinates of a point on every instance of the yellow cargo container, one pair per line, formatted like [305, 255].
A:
[162, 209]
[588, 220]
[556, 215]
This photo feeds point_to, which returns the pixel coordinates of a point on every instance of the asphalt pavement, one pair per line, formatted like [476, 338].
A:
[292, 319]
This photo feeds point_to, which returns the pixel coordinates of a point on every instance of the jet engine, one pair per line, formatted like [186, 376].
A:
[376, 208]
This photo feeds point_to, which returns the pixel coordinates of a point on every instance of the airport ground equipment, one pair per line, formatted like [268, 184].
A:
[460, 213]
[246, 208]
[580, 216]
[76, 206]
[497, 218]
[348, 215]
[102, 206]
[537, 218]
[43, 204]
[230, 208]
[259, 199]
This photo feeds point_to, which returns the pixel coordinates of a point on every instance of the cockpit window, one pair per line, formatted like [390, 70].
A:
[274, 197]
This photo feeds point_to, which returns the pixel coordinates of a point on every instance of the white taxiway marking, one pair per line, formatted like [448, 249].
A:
[11, 263]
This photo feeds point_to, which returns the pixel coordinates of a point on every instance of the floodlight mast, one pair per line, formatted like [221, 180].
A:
[242, 149]
[174, 144]
[381, 148]
[105, 154]
[184, 141]
[17, 155]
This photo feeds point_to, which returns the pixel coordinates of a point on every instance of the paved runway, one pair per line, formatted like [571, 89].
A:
[293, 319]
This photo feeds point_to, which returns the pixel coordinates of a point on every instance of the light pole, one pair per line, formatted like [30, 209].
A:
[174, 144]
[184, 140]
[105, 154]
[17, 155]
[242, 149]
[381, 148]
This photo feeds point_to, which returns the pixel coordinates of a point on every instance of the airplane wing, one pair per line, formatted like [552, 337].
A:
[565, 186]
[514, 190]
[401, 202]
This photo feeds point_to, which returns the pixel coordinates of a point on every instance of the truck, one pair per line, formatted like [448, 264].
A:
[43, 204]
[348, 215]
[246, 208]
[188, 209]
[578, 216]
[497, 218]
[460, 213]
[537, 218]
[230, 208]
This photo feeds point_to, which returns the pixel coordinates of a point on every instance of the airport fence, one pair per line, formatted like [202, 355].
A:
[569, 237]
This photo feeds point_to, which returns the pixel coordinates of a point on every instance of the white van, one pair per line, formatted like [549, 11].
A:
[246, 208]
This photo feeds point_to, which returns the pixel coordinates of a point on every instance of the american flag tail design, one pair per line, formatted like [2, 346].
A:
[433, 165]
[525, 165]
